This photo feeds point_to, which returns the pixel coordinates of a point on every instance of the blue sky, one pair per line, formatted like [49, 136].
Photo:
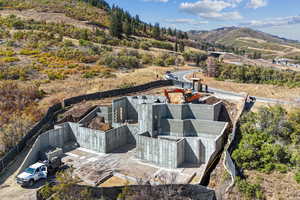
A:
[279, 17]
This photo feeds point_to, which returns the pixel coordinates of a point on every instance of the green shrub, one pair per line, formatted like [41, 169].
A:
[89, 59]
[10, 59]
[162, 45]
[251, 191]
[258, 75]
[117, 61]
[46, 191]
[147, 59]
[170, 60]
[52, 75]
[68, 43]
[145, 45]
[85, 43]
[159, 62]
[259, 134]
[282, 168]
[7, 52]
[127, 85]
[297, 176]
[29, 52]
[90, 74]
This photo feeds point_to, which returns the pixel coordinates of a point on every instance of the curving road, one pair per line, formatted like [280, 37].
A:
[228, 94]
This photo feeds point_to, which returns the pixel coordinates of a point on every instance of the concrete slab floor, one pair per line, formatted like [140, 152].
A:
[126, 168]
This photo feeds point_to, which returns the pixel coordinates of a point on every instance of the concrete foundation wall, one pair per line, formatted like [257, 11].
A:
[89, 138]
[161, 152]
[189, 128]
[133, 132]
[213, 128]
[145, 118]
[119, 109]
[116, 138]
[210, 147]
[175, 111]
[199, 111]
[53, 138]
[194, 151]
[217, 110]
[181, 152]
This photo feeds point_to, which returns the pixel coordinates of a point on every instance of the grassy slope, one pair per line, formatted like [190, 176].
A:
[256, 40]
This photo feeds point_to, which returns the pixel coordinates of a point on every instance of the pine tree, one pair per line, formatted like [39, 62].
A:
[116, 24]
[156, 31]
[181, 46]
[176, 46]
[170, 32]
[186, 35]
[127, 28]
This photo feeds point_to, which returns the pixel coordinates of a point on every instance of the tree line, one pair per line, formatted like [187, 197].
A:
[258, 75]
[121, 22]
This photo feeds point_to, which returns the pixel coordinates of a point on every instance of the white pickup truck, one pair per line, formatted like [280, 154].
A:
[32, 174]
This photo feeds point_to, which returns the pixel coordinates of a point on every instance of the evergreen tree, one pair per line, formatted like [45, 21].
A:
[116, 24]
[127, 28]
[186, 35]
[170, 32]
[181, 46]
[156, 31]
[176, 46]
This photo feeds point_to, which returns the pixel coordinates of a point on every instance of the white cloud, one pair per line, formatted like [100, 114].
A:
[212, 9]
[257, 3]
[162, 1]
[273, 22]
[186, 21]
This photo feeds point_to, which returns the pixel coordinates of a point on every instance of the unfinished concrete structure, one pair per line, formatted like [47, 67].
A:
[166, 135]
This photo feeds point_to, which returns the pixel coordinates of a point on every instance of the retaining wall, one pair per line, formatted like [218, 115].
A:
[53, 138]
[101, 111]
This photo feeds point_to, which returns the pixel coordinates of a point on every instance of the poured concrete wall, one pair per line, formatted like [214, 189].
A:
[162, 152]
[119, 109]
[89, 138]
[145, 118]
[181, 152]
[100, 141]
[53, 138]
[101, 111]
[116, 138]
[133, 132]
[194, 151]
[188, 128]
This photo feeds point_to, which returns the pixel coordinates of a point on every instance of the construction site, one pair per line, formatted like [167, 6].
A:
[169, 139]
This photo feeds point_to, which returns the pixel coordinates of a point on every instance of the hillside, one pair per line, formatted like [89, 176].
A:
[51, 50]
[250, 40]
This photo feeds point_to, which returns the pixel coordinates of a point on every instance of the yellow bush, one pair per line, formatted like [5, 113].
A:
[10, 59]
[7, 52]
[29, 52]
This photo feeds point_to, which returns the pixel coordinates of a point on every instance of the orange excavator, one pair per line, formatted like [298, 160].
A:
[180, 96]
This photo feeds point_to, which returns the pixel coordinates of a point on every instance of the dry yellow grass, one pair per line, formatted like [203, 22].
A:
[276, 185]
[261, 90]
[60, 89]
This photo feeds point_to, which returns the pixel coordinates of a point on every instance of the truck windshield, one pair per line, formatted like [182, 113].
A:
[29, 170]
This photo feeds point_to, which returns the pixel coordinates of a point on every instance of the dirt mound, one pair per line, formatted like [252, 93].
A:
[98, 123]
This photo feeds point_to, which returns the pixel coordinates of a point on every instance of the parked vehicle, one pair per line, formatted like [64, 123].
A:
[50, 162]
[171, 77]
[32, 174]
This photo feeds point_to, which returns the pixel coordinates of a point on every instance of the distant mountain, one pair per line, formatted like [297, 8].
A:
[247, 39]
[226, 35]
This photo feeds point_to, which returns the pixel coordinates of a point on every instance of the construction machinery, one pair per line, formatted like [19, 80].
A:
[180, 96]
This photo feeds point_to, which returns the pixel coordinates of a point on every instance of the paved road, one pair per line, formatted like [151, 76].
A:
[228, 94]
